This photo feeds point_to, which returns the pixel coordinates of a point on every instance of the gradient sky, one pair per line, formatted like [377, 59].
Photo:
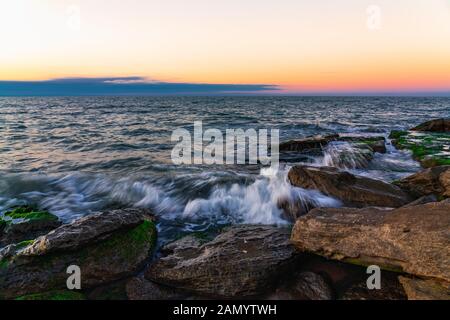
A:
[302, 46]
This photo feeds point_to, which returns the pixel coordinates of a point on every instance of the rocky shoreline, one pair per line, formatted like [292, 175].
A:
[403, 227]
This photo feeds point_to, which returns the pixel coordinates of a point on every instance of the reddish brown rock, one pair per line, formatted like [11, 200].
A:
[415, 239]
[430, 181]
[437, 125]
[355, 191]
[425, 289]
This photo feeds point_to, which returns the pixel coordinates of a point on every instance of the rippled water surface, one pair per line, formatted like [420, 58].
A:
[74, 156]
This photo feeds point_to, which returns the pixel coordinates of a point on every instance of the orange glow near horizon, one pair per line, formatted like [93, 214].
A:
[301, 46]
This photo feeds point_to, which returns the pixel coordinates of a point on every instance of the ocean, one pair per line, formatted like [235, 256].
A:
[77, 155]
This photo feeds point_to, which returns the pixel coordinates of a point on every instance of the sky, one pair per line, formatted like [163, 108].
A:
[260, 46]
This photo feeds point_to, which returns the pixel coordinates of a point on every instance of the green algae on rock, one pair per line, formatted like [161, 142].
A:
[28, 213]
[109, 246]
[429, 148]
[24, 223]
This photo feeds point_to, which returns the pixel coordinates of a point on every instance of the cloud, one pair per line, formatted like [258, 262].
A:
[123, 86]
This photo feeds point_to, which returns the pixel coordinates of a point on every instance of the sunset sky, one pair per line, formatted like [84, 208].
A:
[319, 46]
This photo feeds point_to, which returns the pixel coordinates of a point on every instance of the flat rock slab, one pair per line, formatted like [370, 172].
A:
[414, 239]
[355, 191]
[245, 260]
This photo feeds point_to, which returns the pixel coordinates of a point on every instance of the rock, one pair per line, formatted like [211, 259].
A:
[307, 144]
[106, 246]
[54, 295]
[413, 239]
[430, 181]
[431, 149]
[390, 289]
[352, 190]
[425, 289]
[422, 200]
[376, 144]
[245, 260]
[436, 125]
[346, 155]
[138, 288]
[25, 223]
[114, 291]
[312, 286]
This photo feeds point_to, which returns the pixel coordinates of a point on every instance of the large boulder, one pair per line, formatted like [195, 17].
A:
[353, 190]
[436, 125]
[245, 260]
[24, 224]
[106, 246]
[415, 240]
[430, 181]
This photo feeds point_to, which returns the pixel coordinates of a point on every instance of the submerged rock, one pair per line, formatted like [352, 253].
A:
[376, 144]
[353, 190]
[432, 181]
[315, 143]
[413, 239]
[106, 246]
[425, 289]
[436, 125]
[431, 149]
[25, 223]
[246, 260]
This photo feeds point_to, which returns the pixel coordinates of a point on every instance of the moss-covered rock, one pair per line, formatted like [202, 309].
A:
[107, 247]
[429, 148]
[28, 213]
[54, 295]
[24, 223]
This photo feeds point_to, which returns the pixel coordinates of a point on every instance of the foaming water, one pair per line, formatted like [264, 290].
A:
[75, 156]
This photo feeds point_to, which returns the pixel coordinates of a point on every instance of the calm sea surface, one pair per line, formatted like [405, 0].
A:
[74, 156]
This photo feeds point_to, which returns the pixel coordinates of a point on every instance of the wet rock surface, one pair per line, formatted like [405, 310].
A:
[24, 224]
[432, 181]
[436, 125]
[106, 246]
[246, 260]
[413, 239]
[353, 190]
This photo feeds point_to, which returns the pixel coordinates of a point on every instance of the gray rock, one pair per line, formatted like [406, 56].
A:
[106, 246]
[138, 288]
[246, 260]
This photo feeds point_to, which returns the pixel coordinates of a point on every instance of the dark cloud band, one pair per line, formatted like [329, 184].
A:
[122, 86]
